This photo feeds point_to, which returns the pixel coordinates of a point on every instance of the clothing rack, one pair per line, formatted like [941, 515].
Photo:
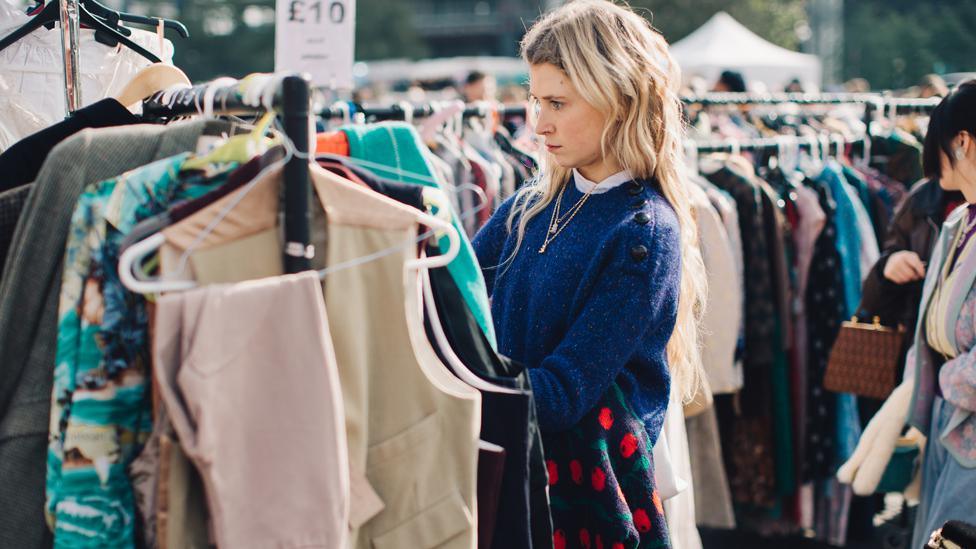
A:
[731, 98]
[766, 144]
[397, 112]
[871, 101]
[909, 106]
[291, 101]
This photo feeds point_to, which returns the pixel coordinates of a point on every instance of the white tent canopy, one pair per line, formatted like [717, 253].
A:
[724, 43]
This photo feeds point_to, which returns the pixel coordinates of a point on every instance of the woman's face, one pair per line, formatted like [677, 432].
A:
[571, 127]
[960, 173]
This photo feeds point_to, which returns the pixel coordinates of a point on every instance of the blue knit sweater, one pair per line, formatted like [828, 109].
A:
[598, 306]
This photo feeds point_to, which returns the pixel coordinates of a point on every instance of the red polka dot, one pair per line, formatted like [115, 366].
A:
[553, 472]
[576, 470]
[585, 538]
[599, 542]
[642, 521]
[598, 479]
[559, 540]
[628, 445]
[606, 418]
[618, 545]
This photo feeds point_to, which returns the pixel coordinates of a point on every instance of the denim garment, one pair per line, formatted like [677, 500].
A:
[947, 485]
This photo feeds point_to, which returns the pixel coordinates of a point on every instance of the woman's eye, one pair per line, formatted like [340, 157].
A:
[556, 105]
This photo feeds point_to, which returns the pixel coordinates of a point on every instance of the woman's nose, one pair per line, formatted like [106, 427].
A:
[543, 126]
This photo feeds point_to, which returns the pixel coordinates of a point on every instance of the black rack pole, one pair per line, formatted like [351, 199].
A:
[759, 145]
[298, 251]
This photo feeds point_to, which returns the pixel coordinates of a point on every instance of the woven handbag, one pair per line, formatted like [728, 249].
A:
[864, 360]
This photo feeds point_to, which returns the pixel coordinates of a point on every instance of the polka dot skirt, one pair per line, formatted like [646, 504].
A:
[601, 481]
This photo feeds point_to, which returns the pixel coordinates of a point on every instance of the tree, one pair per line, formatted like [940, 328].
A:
[774, 20]
[384, 29]
[222, 43]
[893, 43]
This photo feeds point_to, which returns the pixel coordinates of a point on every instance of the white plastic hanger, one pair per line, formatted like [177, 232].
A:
[407, 108]
[210, 92]
[839, 142]
[443, 112]
[344, 109]
[258, 94]
[457, 366]
[135, 254]
[377, 167]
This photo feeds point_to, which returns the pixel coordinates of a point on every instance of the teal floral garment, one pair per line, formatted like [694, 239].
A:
[101, 413]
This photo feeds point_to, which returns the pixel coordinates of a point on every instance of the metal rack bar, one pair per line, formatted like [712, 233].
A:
[871, 101]
[396, 112]
[780, 99]
[763, 144]
[70, 42]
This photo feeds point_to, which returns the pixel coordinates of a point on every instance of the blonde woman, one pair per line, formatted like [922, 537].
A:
[594, 271]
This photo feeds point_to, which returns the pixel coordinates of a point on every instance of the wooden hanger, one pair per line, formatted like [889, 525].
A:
[152, 79]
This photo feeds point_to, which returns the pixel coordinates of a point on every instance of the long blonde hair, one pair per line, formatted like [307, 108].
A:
[622, 67]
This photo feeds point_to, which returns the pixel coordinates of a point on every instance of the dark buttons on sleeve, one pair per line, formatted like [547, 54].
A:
[637, 204]
[642, 218]
[635, 188]
[638, 253]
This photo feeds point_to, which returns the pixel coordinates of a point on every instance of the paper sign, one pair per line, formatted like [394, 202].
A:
[316, 37]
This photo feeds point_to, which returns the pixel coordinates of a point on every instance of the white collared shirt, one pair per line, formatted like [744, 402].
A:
[584, 185]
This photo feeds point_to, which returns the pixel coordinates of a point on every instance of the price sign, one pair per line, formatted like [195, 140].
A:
[317, 37]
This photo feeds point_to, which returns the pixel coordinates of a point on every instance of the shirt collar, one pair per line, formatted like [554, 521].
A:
[584, 185]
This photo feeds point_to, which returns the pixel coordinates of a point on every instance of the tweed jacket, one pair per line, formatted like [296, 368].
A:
[29, 305]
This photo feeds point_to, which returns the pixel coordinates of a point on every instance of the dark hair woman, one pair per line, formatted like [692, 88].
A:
[938, 394]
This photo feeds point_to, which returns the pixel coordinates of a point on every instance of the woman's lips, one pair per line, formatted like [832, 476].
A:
[553, 148]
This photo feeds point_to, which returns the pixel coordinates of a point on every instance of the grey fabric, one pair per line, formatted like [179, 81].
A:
[713, 500]
[11, 204]
[29, 293]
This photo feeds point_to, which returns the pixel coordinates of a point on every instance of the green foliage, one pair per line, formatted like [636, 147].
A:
[384, 29]
[893, 43]
[774, 20]
[210, 52]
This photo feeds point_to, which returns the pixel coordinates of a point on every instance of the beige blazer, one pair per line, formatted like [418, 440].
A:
[723, 311]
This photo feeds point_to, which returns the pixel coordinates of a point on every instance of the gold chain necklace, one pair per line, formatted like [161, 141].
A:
[555, 220]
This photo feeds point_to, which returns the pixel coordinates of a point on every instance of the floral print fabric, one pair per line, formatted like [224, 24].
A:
[100, 414]
[957, 379]
[601, 481]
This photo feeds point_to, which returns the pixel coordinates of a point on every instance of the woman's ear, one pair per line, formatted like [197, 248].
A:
[965, 143]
